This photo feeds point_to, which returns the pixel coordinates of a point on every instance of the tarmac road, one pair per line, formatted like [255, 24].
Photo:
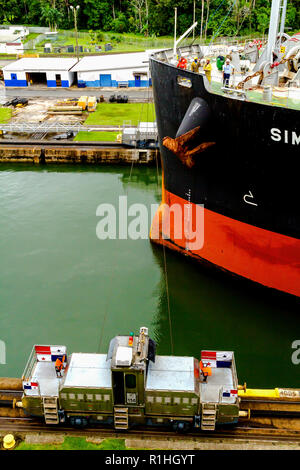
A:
[44, 92]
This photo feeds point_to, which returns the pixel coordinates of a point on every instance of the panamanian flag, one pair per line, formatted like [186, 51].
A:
[229, 393]
[50, 353]
[30, 385]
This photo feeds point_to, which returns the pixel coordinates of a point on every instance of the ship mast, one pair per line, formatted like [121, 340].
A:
[283, 14]
[177, 41]
[277, 5]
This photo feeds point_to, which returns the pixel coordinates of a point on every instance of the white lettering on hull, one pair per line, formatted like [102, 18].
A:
[288, 137]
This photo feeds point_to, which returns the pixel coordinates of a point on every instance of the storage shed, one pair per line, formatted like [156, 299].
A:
[114, 70]
[52, 72]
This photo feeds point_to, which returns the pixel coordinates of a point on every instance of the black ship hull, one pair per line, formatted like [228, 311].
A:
[246, 181]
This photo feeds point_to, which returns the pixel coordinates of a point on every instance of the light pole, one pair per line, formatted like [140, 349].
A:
[75, 11]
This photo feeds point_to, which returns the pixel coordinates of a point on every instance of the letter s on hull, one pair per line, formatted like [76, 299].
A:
[275, 134]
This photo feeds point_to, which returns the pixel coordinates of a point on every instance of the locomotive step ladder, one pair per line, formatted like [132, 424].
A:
[120, 417]
[50, 407]
[208, 416]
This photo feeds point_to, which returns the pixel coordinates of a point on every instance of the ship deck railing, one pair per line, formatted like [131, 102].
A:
[280, 97]
[285, 97]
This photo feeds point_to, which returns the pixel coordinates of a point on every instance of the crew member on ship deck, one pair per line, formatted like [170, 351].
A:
[228, 70]
[195, 65]
[207, 69]
[182, 63]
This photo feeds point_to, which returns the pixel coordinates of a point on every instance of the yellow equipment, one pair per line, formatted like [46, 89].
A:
[92, 103]
[82, 102]
[9, 441]
[268, 393]
[251, 392]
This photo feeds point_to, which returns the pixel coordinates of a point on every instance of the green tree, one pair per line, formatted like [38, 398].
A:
[98, 14]
[263, 19]
[51, 15]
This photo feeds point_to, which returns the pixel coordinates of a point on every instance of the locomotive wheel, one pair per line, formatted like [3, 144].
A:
[181, 427]
[79, 421]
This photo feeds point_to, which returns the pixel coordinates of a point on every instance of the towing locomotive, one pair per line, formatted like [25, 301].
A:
[131, 385]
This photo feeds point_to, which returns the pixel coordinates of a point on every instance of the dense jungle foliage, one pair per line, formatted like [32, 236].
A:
[149, 17]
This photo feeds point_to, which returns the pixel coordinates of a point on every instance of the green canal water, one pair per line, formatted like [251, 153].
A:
[60, 284]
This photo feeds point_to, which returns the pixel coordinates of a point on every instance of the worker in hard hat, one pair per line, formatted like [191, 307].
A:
[207, 69]
[228, 70]
[182, 63]
[205, 371]
[195, 65]
[59, 365]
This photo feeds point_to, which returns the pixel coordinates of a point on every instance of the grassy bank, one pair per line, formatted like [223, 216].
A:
[76, 443]
[115, 114]
[96, 136]
[5, 115]
[126, 42]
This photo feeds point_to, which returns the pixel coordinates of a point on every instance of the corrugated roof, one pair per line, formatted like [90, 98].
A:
[41, 64]
[113, 61]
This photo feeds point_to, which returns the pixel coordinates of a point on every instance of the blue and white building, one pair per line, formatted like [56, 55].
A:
[107, 70]
[50, 71]
[114, 70]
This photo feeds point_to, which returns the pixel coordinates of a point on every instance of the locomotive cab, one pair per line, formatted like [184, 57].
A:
[129, 364]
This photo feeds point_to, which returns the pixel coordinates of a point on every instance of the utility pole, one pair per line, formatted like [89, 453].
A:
[75, 11]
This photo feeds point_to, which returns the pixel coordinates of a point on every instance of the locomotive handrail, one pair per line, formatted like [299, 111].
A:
[29, 365]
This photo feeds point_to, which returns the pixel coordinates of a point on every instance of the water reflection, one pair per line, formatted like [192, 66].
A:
[60, 285]
[214, 311]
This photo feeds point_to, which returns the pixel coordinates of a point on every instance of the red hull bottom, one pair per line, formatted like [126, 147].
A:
[265, 257]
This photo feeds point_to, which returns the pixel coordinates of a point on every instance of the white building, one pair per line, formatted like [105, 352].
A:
[50, 71]
[10, 33]
[113, 70]
[110, 70]
[11, 39]
[15, 47]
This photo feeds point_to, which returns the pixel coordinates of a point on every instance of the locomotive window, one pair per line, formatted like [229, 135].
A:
[185, 400]
[106, 397]
[98, 397]
[72, 396]
[63, 396]
[167, 400]
[90, 397]
[158, 399]
[130, 381]
[80, 396]
[194, 401]
[150, 399]
[177, 400]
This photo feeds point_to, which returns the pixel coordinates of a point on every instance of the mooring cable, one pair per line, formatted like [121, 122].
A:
[168, 301]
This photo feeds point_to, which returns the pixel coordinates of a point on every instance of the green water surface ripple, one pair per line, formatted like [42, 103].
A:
[60, 284]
